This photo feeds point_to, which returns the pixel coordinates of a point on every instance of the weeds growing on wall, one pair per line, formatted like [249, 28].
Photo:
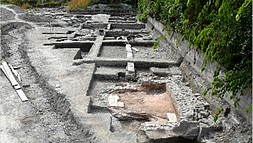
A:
[220, 28]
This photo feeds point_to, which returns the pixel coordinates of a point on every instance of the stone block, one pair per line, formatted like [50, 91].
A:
[130, 67]
[147, 37]
[175, 71]
[129, 55]
[128, 48]
[113, 100]
[109, 26]
[184, 125]
[121, 104]
[135, 49]
[171, 117]
[159, 71]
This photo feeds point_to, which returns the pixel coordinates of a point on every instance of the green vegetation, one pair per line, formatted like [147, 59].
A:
[220, 28]
[76, 4]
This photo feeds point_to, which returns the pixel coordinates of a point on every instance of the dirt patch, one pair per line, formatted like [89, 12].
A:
[148, 99]
[157, 105]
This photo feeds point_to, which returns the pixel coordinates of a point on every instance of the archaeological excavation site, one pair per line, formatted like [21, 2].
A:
[100, 75]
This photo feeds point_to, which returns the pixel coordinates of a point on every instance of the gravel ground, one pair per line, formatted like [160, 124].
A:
[35, 18]
[149, 53]
[4, 12]
[16, 9]
[46, 117]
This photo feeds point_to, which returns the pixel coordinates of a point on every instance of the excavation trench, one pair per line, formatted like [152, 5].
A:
[145, 108]
[106, 84]
[150, 102]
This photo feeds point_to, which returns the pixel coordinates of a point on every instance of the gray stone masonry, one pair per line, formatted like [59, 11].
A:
[139, 63]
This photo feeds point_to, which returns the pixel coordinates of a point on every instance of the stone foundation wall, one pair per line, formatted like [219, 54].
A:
[192, 65]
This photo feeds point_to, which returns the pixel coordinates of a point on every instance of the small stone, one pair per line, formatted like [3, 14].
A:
[204, 114]
[130, 67]
[171, 117]
[121, 104]
[196, 94]
[206, 106]
[189, 114]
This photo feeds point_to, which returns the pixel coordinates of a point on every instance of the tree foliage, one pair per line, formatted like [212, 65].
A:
[220, 28]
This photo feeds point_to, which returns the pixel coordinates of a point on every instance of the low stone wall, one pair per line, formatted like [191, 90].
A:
[128, 26]
[192, 65]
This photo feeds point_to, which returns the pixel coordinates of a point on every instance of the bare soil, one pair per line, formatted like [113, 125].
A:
[153, 104]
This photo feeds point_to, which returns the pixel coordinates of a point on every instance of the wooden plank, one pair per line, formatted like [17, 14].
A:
[15, 72]
[2, 68]
[17, 87]
[9, 74]
[21, 95]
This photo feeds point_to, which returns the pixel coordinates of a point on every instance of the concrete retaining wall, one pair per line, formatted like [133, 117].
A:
[192, 65]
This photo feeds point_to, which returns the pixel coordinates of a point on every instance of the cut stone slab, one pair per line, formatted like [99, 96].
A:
[129, 51]
[159, 71]
[100, 18]
[113, 101]
[129, 55]
[147, 37]
[128, 48]
[171, 117]
[141, 63]
[135, 49]
[121, 104]
[155, 135]
[109, 73]
[109, 26]
[130, 67]
[187, 129]
[175, 71]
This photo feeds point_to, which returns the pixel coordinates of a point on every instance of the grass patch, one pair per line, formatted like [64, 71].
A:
[25, 6]
[77, 4]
